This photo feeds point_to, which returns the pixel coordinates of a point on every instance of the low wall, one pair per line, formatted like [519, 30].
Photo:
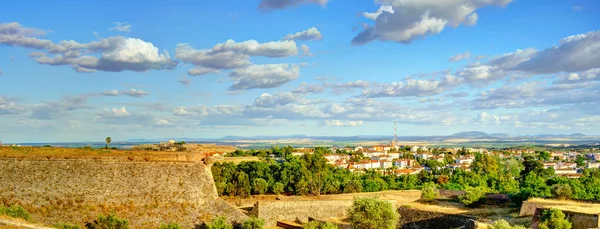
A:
[145, 193]
[528, 208]
[578, 220]
[273, 211]
[418, 219]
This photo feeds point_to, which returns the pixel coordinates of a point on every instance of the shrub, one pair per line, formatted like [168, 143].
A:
[260, 186]
[278, 188]
[562, 191]
[66, 226]
[219, 223]
[503, 224]
[15, 211]
[254, 223]
[372, 213]
[473, 196]
[429, 192]
[353, 186]
[108, 222]
[170, 226]
[554, 219]
[319, 225]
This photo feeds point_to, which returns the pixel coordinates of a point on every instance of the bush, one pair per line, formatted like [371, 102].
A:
[473, 196]
[219, 223]
[66, 226]
[254, 223]
[554, 219]
[15, 211]
[371, 213]
[562, 191]
[429, 192]
[108, 222]
[278, 188]
[318, 225]
[260, 186]
[503, 224]
[170, 226]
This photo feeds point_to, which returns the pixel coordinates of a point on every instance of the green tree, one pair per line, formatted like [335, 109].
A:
[108, 141]
[544, 155]
[219, 223]
[353, 186]
[108, 222]
[243, 185]
[554, 219]
[253, 223]
[429, 192]
[372, 213]
[473, 196]
[503, 224]
[580, 160]
[277, 188]
[562, 191]
[534, 186]
[260, 186]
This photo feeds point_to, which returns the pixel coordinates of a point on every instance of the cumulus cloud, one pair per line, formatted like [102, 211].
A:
[121, 27]
[305, 50]
[7, 107]
[270, 5]
[309, 88]
[348, 87]
[231, 55]
[121, 116]
[263, 76]
[275, 100]
[496, 68]
[306, 35]
[415, 88]
[406, 20]
[460, 56]
[131, 92]
[580, 77]
[342, 123]
[113, 54]
[58, 109]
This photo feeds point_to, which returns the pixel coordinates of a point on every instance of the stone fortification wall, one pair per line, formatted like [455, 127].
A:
[147, 193]
[417, 219]
[272, 211]
[529, 207]
[578, 220]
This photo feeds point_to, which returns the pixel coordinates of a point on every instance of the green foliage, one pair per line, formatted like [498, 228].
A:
[170, 226]
[219, 223]
[66, 226]
[503, 224]
[372, 213]
[580, 160]
[562, 191]
[554, 219]
[473, 196]
[15, 211]
[253, 223]
[243, 185]
[534, 186]
[278, 188]
[108, 222]
[260, 186]
[429, 192]
[319, 225]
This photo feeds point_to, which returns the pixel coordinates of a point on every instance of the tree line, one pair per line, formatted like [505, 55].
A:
[311, 175]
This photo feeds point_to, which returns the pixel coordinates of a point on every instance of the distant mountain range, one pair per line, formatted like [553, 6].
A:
[474, 135]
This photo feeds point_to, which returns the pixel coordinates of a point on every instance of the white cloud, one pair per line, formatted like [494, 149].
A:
[343, 123]
[275, 100]
[406, 20]
[10, 108]
[305, 50]
[309, 88]
[113, 54]
[416, 88]
[460, 56]
[184, 81]
[253, 48]
[348, 87]
[131, 92]
[270, 5]
[263, 76]
[121, 27]
[310, 34]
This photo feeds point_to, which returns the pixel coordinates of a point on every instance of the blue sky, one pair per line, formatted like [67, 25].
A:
[84, 70]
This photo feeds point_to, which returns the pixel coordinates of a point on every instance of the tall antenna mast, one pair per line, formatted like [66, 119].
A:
[395, 141]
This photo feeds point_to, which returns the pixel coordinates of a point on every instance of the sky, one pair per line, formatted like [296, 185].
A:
[83, 70]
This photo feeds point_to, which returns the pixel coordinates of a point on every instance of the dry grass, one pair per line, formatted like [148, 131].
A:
[237, 160]
[568, 205]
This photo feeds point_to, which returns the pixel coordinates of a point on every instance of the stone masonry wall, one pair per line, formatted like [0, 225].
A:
[145, 193]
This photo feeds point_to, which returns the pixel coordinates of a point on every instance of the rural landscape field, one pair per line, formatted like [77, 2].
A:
[300, 114]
